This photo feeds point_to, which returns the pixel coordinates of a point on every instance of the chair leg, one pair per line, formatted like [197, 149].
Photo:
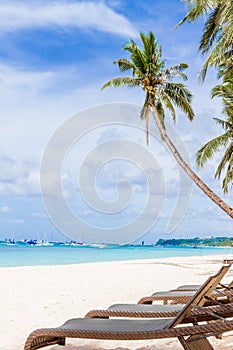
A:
[194, 343]
[61, 341]
[34, 343]
[217, 336]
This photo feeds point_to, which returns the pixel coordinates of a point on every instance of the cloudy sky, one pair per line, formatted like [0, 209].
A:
[54, 58]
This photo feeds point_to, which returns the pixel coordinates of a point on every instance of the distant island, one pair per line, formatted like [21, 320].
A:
[195, 242]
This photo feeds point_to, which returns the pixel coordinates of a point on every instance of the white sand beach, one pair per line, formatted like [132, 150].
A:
[47, 296]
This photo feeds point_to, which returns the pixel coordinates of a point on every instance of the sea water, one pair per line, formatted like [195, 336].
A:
[27, 255]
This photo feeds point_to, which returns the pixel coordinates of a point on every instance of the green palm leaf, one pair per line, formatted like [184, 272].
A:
[226, 159]
[224, 124]
[210, 148]
[161, 112]
[218, 29]
[210, 31]
[149, 45]
[181, 96]
[117, 82]
[168, 103]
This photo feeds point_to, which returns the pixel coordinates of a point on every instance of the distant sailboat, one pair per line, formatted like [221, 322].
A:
[43, 242]
[10, 241]
[100, 242]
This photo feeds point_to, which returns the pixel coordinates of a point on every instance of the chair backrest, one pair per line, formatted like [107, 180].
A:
[199, 297]
[229, 262]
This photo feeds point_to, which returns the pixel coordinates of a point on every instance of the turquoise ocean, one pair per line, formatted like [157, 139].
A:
[27, 255]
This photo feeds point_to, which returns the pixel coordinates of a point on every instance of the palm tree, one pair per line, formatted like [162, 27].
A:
[226, 139]
[149, 72]
[218, 30]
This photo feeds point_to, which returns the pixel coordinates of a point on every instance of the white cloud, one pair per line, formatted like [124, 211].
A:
[5, 209]
[12, 169]
[12, 77]
[39, 215]
[82, 14]
[17, 221]
[18, 178]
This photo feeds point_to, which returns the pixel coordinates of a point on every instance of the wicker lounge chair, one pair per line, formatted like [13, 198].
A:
[161, 311]
[191, 337]
[222, 307]
[182, 294]
[193, 287]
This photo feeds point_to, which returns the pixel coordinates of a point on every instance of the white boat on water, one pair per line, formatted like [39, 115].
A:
[98, 245]
[10, 241]
[43, 242]
[74, 243]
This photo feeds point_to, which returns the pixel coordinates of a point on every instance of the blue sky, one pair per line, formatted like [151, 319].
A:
[54, 58]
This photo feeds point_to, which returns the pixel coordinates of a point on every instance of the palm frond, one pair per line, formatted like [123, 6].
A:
[168, 103]
[145, 107]
[160, 112]
[117, 82]
[137, 56]
[226, 125]
[181, 97]
[174, 71]
[145, 114]
[196, 9]
[130, 46]
[210, 148]
[124, 64]
[225, 159]
[218, 54]
[149, 45]
[225, 92]
[210, 32]
[227, 181]
[218, 30]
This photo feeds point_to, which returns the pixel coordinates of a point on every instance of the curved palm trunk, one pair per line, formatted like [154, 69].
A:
[213, 196]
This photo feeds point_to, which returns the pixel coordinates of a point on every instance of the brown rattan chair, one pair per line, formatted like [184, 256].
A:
[192, 337]
[220, 303]
[207, 313]
[182, 294]
[195, 287]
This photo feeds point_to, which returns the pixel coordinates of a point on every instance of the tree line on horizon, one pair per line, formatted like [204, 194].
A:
[193, 242]
[148, 71]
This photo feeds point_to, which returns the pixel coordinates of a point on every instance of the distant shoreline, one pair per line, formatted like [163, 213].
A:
[219, 242]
